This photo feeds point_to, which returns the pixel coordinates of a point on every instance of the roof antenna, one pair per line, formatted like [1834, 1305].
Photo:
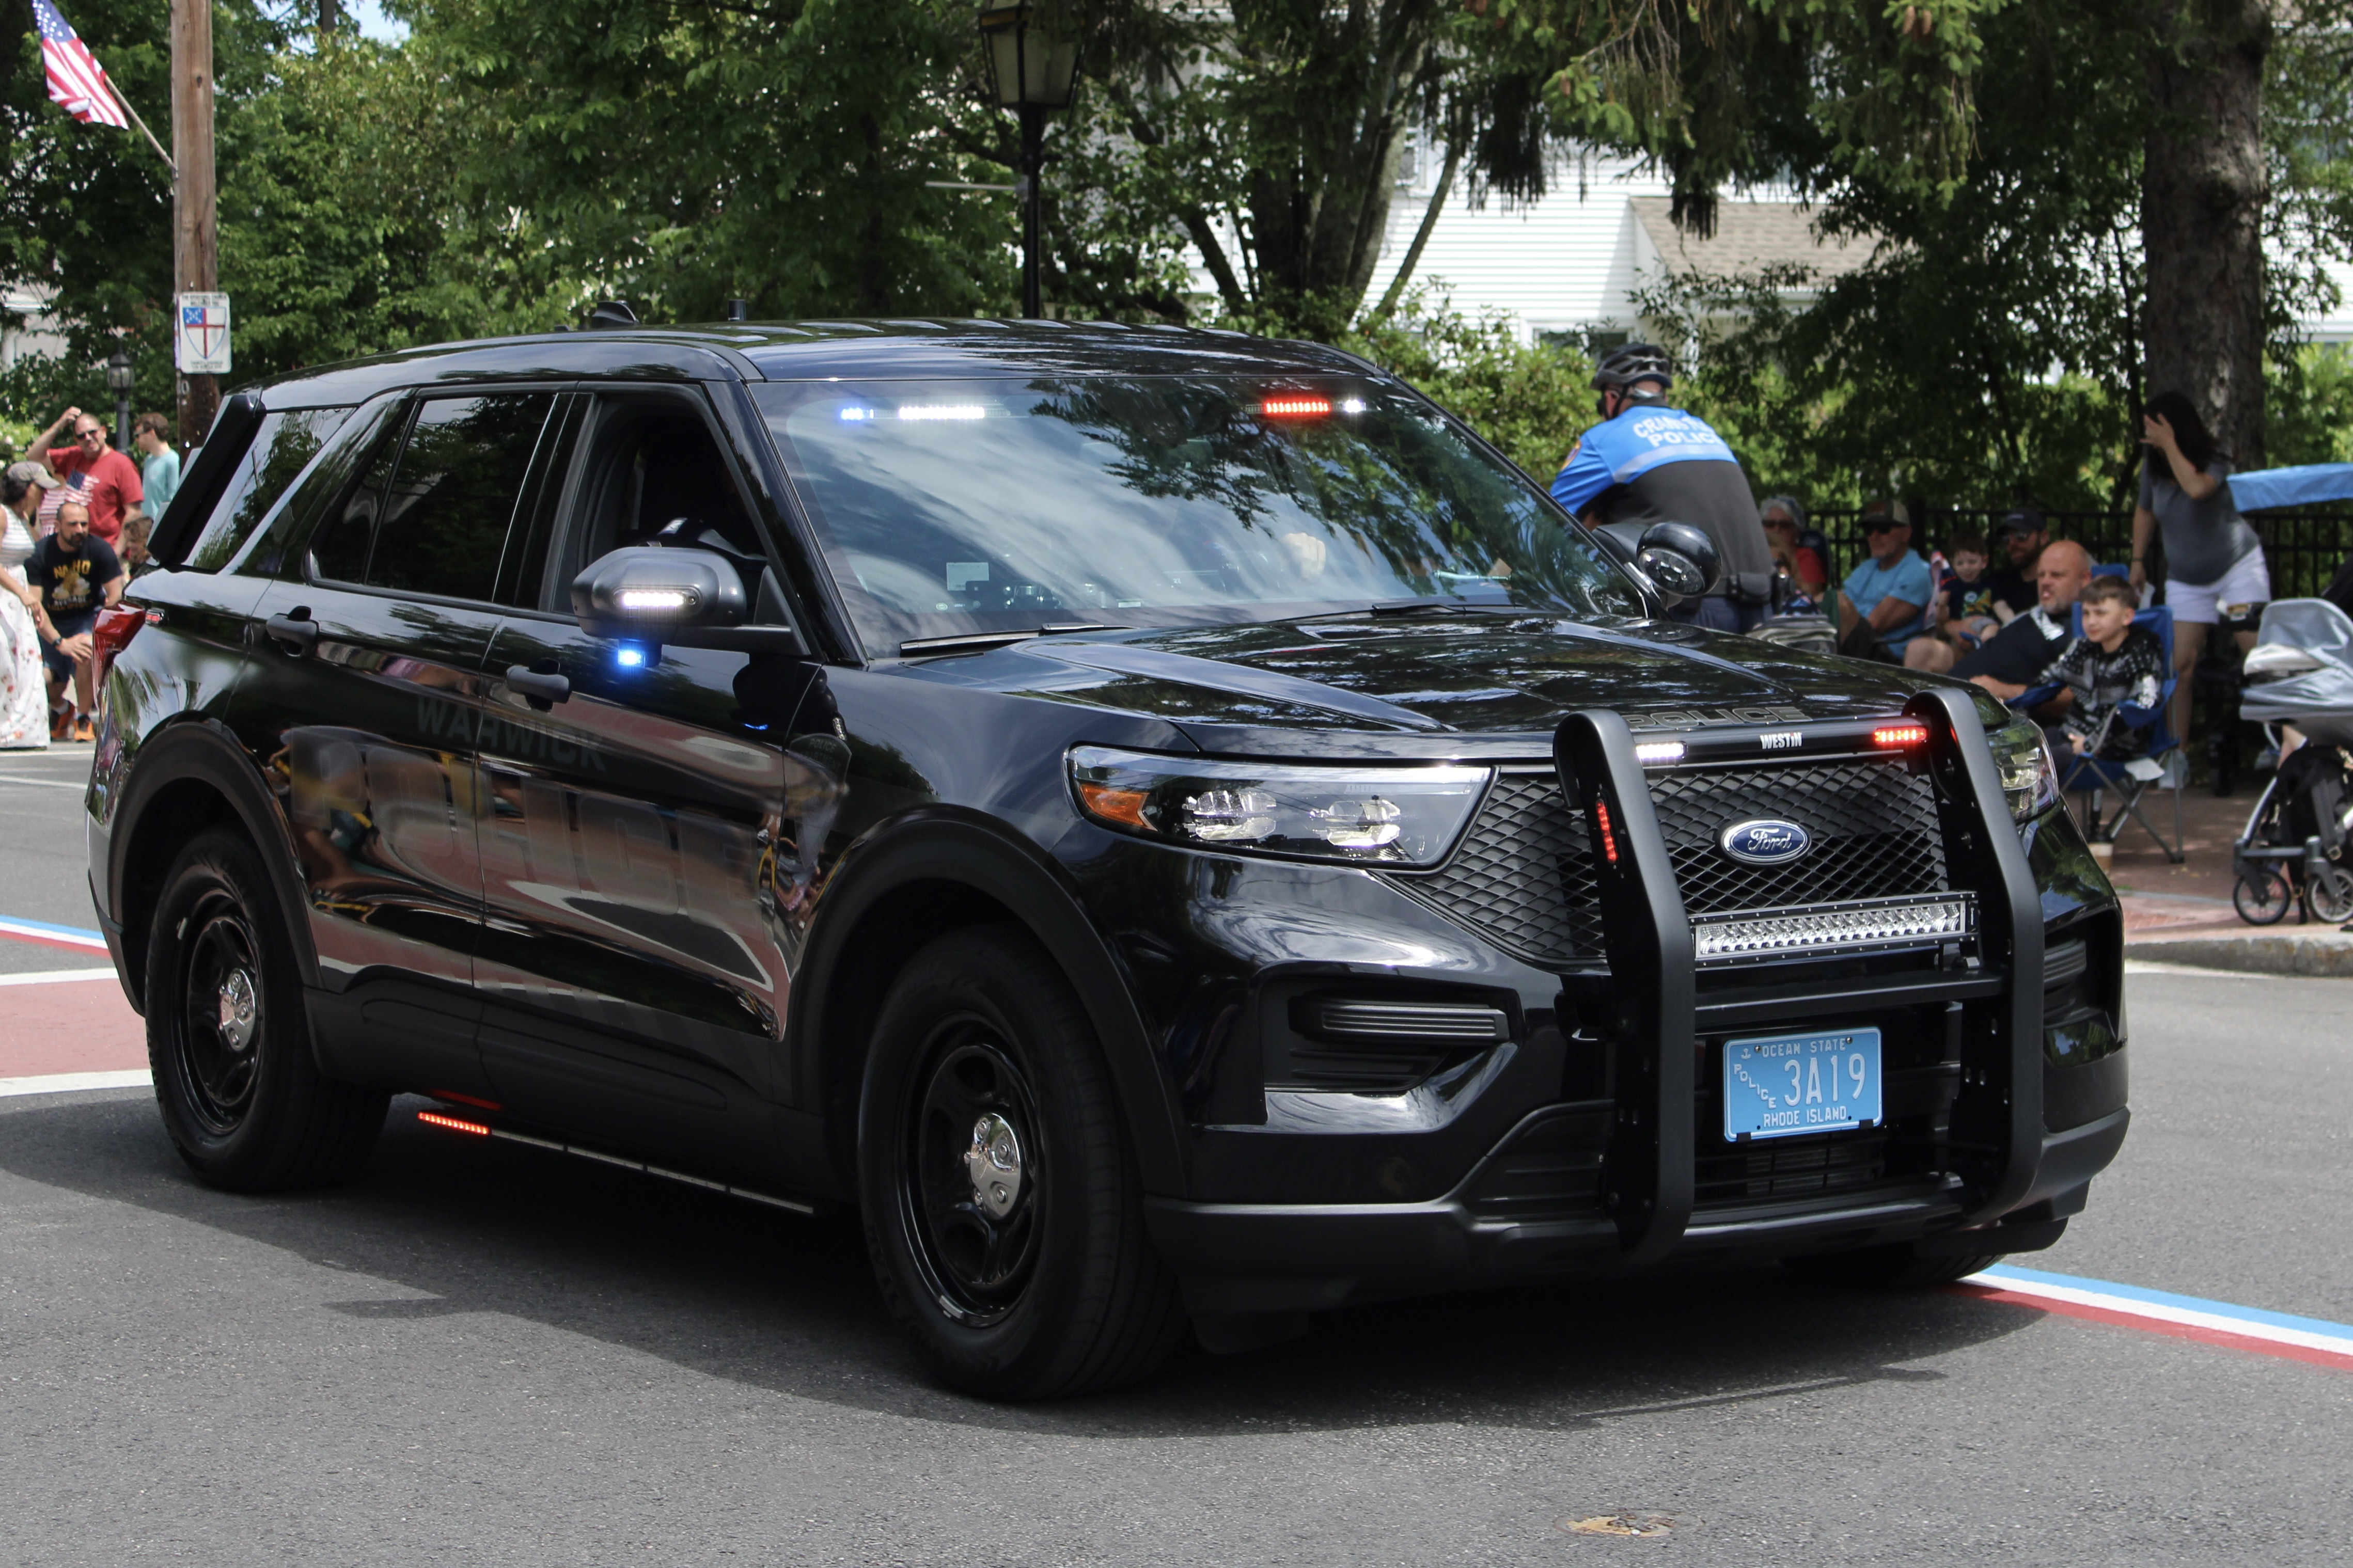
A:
[739, 309]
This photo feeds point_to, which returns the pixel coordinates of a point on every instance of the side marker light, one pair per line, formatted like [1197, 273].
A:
[454, 1123]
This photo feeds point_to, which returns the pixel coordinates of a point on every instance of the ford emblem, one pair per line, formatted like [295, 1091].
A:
[1765, 841]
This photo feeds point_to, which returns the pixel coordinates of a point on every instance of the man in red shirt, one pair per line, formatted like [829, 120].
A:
[108, 481]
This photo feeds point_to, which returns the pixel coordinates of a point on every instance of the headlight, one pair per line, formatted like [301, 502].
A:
[2030, 777]
[1362, 815]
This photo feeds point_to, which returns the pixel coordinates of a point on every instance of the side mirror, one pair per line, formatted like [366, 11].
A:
[1680, 558]
[686, 597]
[651, 592]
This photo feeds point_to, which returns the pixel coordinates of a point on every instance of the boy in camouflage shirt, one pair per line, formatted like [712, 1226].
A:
[2114, 664]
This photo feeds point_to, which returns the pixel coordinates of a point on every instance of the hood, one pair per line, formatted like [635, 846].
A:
[1434, 677]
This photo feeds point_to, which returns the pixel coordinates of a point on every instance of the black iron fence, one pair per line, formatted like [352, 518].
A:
[2304, 549]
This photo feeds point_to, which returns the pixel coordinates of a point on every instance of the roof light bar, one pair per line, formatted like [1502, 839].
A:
[1835, 927]
[1899, 735]
[1295, 407]
[942, 411]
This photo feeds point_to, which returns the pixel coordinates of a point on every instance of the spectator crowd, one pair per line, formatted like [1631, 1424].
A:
[78, 516]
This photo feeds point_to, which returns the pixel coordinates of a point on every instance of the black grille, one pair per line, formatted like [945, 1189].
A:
[1873, 826]
[1524, 876]
[1805, 1166]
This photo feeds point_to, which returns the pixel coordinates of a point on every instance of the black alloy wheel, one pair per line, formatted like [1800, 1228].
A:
[227, 1038]
[1003, 1211]
[971, 1175]
[219, 997]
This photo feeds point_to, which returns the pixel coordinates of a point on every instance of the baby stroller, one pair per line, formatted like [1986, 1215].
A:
[2300, 672]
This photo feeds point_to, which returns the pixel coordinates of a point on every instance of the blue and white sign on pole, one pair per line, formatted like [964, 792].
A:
[201, 345]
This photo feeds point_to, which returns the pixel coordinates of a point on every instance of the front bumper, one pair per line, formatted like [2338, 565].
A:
[1278, 1258]
[1629, 1176]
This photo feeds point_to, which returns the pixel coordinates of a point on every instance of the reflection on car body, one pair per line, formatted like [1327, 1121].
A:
[1166, 827]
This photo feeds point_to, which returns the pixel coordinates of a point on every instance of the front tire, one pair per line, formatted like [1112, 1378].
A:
[227, 1039]
[1003, 1211]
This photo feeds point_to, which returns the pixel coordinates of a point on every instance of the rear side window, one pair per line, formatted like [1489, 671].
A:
[282, 449]
[434, 520]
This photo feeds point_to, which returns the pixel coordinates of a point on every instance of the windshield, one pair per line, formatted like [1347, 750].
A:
[960, 507]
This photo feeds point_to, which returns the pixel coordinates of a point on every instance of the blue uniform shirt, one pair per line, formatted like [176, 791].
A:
[1907, 580]
[1619, 452]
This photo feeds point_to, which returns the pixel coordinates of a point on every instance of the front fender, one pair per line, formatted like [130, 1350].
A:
[936, 844]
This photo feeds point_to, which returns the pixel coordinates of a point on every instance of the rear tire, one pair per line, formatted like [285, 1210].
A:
[227, 1039]
[1003, 1211]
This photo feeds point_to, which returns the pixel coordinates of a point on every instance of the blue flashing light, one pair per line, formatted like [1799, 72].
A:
[629, 655]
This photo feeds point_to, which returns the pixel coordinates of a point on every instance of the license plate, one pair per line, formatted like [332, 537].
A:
[1781, 1085]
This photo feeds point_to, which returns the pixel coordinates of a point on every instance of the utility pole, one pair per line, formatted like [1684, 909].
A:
[196, 253]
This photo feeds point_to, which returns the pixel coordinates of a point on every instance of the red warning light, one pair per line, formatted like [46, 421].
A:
[454, 1123]
[1609, 839]
[1895, 735]
[1295, 407]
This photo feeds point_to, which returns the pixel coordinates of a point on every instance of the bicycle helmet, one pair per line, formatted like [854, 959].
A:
[1630, 363]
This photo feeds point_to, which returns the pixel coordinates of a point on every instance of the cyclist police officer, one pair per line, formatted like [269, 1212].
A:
[1647, 462]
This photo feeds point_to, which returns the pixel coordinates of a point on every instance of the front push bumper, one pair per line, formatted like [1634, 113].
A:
[2010, 1185]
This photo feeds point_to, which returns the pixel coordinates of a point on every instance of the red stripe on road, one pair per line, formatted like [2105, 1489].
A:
[2342, 1363]
[71, 1027]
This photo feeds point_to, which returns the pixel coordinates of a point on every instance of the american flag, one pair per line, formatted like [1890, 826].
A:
[76, 78]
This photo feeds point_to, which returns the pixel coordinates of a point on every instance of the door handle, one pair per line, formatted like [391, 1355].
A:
[542, 688]
[298, 634]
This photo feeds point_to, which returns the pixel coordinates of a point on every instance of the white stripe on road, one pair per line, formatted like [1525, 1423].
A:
[68, 1082]
[46, 784]
[52, 976]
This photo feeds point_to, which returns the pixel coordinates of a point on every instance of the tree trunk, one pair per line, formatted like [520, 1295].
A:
[2202, 193]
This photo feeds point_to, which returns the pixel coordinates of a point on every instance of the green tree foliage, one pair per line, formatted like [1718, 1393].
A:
[349, 226]
[1531, 400]
[681, 154]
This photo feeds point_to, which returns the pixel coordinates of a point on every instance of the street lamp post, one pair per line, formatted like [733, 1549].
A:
[119, 381]
[1033, 66]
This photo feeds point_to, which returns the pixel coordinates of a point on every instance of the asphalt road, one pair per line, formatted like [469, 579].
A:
[486, 1354]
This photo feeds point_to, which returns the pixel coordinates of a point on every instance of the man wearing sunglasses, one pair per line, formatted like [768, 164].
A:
[76, 450]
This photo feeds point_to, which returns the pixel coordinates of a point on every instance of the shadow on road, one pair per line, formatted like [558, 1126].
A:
[731, 1290]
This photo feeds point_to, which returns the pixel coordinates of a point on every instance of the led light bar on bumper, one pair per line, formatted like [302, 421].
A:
[1360, 816]
[1868, 925]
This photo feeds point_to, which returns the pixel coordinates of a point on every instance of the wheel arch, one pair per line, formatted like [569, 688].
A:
[189, 776]
[922, 877]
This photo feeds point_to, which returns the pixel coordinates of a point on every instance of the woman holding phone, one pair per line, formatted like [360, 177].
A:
[2211, 557]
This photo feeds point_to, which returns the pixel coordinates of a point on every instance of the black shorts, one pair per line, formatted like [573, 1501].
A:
[61, 665]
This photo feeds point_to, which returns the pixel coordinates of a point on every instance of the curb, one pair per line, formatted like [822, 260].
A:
[2312, 953]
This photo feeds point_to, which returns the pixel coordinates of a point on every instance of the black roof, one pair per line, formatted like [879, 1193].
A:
[890, 349]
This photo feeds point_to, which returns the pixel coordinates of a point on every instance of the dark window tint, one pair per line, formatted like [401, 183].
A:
[338, 551]
[445, 518]
[323, 487]
[281, 448]
[525, 565]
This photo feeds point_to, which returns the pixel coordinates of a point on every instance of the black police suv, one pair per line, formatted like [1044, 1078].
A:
[1167, 825]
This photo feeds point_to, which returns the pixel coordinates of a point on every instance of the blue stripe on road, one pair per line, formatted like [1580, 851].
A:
[2167, 1298]
[19, 923]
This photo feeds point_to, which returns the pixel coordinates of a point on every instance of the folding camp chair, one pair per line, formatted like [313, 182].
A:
[2159, 767]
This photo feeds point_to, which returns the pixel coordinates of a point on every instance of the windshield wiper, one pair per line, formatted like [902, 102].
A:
[981, 642]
